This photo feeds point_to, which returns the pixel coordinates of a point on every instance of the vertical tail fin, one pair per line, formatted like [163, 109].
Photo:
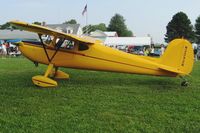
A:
[179, 54]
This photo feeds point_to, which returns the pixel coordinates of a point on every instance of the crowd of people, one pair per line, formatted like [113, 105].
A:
[152, 51]
[145, 50]
[6, 48]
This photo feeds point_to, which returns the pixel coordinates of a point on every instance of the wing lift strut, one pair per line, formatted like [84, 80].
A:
[45, 81]
[57, 47]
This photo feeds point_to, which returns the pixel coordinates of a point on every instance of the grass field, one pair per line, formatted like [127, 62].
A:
[96, 102]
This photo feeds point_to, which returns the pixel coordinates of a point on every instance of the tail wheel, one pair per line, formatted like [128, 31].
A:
[185, 83]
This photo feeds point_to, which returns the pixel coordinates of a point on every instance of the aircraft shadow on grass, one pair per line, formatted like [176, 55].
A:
[104, 79]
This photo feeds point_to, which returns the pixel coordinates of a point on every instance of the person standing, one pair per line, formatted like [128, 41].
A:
[4, 48]
[7, 48]
[152, 50]
[1, 49]
[195, 51]
[162, 49]
[146, 51]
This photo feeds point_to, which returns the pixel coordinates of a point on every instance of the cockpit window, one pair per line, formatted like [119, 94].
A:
[68, 44]
[62, 43]
[47, 39]
[59, 42]
[82, 47]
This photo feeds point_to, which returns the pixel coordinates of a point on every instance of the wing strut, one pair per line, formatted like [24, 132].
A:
[57, 47]
[40, 36]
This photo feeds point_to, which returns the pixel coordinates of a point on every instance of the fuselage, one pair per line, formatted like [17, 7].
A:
[95, 57]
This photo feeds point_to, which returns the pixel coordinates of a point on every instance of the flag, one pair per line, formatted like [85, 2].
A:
[84, 10]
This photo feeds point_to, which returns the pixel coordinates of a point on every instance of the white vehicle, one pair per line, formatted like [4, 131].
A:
[14, 50]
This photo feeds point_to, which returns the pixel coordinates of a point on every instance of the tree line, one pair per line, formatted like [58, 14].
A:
[117, 23]
[179, 27]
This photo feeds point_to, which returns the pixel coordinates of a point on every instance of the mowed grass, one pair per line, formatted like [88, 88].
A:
[96, 102]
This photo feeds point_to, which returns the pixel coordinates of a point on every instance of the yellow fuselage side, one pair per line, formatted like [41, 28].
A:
[97, 57]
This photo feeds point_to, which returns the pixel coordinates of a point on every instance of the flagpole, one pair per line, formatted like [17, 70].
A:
[86, 18]
[87, 22]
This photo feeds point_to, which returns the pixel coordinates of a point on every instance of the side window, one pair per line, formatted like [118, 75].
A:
[59, 42]
[47, 39]
[68, 44]
[83, 46]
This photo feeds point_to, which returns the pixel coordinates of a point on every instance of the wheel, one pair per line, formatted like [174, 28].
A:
[184, 83]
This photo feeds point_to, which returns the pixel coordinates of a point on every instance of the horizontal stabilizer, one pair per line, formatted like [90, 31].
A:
[170, 69]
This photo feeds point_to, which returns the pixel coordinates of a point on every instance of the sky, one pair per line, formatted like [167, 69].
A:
[142, 17]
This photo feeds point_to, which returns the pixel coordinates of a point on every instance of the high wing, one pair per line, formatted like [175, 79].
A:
[48, 31]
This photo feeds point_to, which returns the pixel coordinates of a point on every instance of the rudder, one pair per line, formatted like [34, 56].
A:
[179, 54]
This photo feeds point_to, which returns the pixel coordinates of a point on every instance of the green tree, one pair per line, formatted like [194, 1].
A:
[91, 28]
[87, 29]
[179, 27]
[100, 26]
[72, 21]
[197, 30]
[37, 23]
[117, 23]
[7, 26]
[129, 33]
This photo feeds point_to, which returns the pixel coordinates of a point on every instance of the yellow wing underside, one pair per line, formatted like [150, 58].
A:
[47, 31]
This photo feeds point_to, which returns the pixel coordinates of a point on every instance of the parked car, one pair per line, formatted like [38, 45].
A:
[157, 52]
[136, 50]
[122, 47]
[14, 50]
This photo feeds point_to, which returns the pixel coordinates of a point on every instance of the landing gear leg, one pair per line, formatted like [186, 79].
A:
[58, 74]
[44, 81]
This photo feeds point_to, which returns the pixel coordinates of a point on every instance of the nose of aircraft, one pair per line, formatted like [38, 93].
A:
[18, 43]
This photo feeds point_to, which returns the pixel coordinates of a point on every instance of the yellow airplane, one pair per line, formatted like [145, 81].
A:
[57, 49]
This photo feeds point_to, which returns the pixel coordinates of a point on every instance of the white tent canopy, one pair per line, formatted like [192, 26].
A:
[17, 34]
[195, 46]
[138, 41]
[111, 33]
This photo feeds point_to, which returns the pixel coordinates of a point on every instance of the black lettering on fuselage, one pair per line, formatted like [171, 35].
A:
[184, 56]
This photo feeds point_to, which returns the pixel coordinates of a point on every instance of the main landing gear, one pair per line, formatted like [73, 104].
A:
[45, 81]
